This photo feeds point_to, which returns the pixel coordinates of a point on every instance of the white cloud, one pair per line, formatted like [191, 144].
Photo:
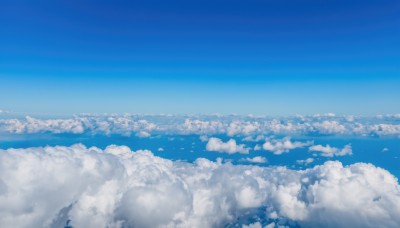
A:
[230, 147]
[251, 129]
[203, 138]
[328, 151]
[115, 187]
[284, 145]
[143, 134]
[257, 147]
[329, 127]
[305, 161]
[160, 149]
[256, 159]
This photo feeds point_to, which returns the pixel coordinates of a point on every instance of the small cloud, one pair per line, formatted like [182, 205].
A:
[385, 149]
[143, 134]
[203, 138]
[257, 147]
[280, 146]
[257, 159]
[230, 147]
[160, 149]
[328, 151]
[306, 161]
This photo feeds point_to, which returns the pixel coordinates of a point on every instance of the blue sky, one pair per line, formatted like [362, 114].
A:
[262, 57]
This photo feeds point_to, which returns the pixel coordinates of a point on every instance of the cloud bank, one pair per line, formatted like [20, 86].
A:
[115, 187]
[231, 125]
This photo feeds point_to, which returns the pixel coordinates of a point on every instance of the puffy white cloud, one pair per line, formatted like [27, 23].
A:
[256, 159]
[230, 147]
[328, 151]
[115, 187]
[284, 145]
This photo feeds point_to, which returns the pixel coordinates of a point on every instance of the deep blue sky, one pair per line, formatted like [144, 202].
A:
[273, 57]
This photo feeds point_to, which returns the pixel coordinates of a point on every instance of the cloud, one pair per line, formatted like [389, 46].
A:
[230, 147]
[143, 134]
[257, 147]
[257, 159]
[115, 187]
[251, 129]
[306, 161]
[328, 151]
[284, 145]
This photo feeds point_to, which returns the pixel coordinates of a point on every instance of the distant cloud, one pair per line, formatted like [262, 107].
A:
[44, 187]
[250, 129]
[284, 145]
[257, 147]
[328, 151]
[305, 161]
[257, 159]
[143, 134]
[230, 147]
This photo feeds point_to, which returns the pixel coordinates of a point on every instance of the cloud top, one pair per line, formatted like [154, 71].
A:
[115, 187]
[230, 125]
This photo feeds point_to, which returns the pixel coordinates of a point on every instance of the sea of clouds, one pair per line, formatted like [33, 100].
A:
[230, 125]
[116, 187]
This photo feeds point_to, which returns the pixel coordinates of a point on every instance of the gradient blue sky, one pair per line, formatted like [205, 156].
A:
[274, 57]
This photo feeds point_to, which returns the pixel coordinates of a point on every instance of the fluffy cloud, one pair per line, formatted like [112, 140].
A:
[280, 146]
[115, 187]
[256, 159]
[252, 129]
[79, 124]
[328, 151]
[230, 147]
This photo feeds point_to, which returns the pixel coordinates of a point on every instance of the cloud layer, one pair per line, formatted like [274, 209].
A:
[230, 125]
[115, 187]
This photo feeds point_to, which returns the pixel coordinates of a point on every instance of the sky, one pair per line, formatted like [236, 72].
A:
[80, 81]
[262, 57]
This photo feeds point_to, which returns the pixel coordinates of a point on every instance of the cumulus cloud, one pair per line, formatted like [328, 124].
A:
[230, 147]
[328, 151]
[256, 159]
[252, 129]
[284, 145]
[115, 187]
